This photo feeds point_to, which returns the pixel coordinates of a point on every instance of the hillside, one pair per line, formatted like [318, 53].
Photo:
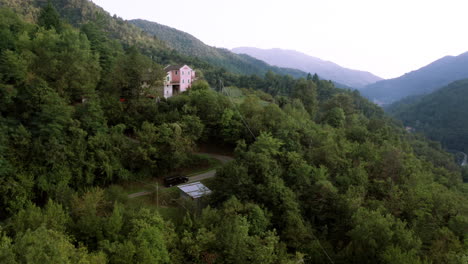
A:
[422, 81]
[81, 12]
[441, 115]
[225, 65]
[190, 46]
[325, 69]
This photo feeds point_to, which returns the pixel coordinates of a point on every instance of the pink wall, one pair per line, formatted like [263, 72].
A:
[185, 78]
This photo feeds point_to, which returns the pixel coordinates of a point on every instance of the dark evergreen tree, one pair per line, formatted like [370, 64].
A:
[315, 78]
[49, 18]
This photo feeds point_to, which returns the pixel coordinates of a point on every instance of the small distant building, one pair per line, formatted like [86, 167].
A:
[194, 193]
[179, 78]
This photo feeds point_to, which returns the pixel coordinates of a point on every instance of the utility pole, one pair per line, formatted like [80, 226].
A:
[157, 195]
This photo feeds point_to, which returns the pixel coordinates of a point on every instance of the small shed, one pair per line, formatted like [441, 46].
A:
[194, 190]
[193, 193]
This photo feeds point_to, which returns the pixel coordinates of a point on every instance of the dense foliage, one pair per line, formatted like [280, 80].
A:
[319, 176]
[441, 115]
[423, 81]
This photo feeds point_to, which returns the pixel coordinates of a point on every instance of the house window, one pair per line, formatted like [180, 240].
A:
[183, 81]
[176, 72]
[188, 80]
[182, 72]
[168, 78]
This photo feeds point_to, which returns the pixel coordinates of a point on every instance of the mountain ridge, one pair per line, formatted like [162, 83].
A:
[299, 60]
[189, 45]
[421, 81]
[439, 115]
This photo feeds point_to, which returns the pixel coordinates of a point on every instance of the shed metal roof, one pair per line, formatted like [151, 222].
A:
[195, 189]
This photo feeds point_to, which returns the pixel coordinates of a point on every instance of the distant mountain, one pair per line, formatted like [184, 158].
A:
[442, 115]
[325, 69]
[188, 45]
[422, 81]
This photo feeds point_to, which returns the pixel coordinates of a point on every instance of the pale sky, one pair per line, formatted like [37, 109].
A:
[385, 37]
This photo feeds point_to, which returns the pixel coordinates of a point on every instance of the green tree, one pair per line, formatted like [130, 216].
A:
[52, 216]
[49, 18]
[315, 78]
[7, 255]
[375, 233]
[306, 91]
[335, 117]
[47, 246]
[129, 74]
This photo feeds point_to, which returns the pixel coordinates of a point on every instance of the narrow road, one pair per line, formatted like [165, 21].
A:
[138, 194]
[195, 178]
[203, 176]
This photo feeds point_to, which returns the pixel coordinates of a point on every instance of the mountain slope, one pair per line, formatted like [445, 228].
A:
[422, 81]
[190, 46]
[162, 49]
[80, 12]
[442, 115]
[325, 69]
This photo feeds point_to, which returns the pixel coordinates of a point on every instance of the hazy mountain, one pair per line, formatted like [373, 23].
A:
[325, 69]
[190, 46]
[422, 81]
[441, 115]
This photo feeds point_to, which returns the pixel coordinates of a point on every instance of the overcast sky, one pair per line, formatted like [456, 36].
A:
[385, 37]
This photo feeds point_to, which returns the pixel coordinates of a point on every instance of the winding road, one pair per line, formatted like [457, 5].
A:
[195, 178]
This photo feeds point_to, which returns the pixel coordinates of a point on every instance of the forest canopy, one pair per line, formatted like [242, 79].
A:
[320, 174]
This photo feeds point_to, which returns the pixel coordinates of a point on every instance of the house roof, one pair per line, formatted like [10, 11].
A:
[174, 67]
[195, 189]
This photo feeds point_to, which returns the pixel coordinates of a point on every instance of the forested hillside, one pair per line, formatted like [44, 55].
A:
[442, 115]
[84, 13]
[190, 46]
[419, 82]
[320, 174]
[325, 69]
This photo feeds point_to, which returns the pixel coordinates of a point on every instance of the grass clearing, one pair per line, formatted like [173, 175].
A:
[239, 95]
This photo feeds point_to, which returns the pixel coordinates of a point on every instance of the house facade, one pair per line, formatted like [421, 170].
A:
[179, 78]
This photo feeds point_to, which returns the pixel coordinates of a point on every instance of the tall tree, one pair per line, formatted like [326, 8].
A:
[49, 18]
